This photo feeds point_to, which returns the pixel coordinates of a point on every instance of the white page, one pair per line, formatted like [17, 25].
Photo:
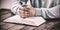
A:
[35, 21]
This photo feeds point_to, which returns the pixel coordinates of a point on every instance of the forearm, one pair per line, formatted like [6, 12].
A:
[48, 12]
[15, 7]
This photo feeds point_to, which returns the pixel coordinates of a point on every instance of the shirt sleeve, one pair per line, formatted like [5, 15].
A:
[15, 7]
[46, 13]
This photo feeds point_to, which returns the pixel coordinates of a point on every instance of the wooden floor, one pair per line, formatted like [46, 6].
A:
[45, 26]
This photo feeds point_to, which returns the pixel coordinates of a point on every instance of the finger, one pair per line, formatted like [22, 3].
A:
[28, 6]
[24, 5]
[21, 8]
[26, 15]
[27, 12]
[22, 15]
[21, 11]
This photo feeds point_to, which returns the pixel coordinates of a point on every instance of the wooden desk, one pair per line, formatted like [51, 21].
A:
[8, 26]
[46, 26]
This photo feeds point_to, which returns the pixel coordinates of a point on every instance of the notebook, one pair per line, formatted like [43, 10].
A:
[34, 21]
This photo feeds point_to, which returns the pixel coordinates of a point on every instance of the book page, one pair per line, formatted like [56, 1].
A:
[36, 21]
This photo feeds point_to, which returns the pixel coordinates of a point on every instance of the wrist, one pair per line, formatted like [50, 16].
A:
[38, 12]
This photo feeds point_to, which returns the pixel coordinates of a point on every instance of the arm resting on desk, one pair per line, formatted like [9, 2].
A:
[48, 12]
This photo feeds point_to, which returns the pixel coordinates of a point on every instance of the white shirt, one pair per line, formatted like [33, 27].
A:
[47, 10]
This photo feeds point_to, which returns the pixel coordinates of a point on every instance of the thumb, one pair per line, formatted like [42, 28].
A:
[23, 3]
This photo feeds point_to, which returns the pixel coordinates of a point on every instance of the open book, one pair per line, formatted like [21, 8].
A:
[35, 21]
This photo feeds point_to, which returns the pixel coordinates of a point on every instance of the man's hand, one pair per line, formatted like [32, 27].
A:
[26, 11]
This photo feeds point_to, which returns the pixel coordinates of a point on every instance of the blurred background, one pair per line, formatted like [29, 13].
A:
[6, 4]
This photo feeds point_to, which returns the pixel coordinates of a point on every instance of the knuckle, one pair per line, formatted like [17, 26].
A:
[27, 12]
[21, 8]
[21, 11]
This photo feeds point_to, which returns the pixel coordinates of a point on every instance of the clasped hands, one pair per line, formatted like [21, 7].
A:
[27, 11]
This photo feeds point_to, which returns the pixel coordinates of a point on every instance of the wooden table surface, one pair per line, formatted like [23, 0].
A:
[9, 26]
[45, 26]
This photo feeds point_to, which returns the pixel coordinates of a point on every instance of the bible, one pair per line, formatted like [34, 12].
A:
[35, 21]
